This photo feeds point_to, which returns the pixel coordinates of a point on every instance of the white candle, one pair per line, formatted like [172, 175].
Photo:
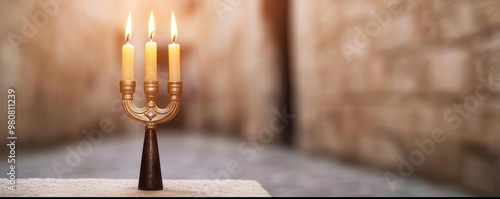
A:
[151, 47]
[174, 54]
[128, 53]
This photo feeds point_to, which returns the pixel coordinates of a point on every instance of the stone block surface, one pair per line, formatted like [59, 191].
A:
[40, 187]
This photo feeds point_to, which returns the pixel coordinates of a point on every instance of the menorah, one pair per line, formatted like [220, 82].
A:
[150, 177]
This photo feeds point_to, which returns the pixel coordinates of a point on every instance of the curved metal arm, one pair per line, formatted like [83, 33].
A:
[151, 114]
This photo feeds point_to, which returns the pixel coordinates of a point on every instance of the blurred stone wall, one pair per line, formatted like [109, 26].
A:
[407, 86]
[64, 60]
[62, 57]
[234, 74]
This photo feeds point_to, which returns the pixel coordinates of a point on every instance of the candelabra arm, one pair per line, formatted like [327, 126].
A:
[168, 113]
[127, 88]
[134, 112]
[150, 114]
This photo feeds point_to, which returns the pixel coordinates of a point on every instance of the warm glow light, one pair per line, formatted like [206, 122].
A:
[151, 26]
[128, 29]
[173, 31]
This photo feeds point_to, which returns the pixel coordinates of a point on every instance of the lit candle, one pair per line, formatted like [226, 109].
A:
[174, 55]
[151, 65]
[128, 53]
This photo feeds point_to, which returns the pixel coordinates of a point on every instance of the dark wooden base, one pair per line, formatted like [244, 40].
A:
[150, 177]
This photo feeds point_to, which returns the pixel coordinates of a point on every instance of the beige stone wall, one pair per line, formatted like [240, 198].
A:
[68, 71]
[234, 66]
[376, 80]
[64, 62]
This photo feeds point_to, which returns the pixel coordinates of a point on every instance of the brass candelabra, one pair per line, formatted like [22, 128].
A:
[150, 174]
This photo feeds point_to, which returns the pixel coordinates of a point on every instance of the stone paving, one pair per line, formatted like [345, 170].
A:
[282, 172]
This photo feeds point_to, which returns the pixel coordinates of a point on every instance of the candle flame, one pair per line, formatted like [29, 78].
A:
[173, 31]
[151, 26]
[128, 29]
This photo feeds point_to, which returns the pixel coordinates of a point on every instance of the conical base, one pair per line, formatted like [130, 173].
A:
[150, 177]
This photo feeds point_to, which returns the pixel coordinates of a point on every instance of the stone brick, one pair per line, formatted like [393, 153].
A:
[490, 10]
[357, 81]
[376, 149]
[447, 159]
[332, 140]
[402, 30]
[487, 73]
[479, 174]
[428, 27]
[306, 125]
[368, 141]
[486, 44]
[448, 70]
[427, 117]
[388, 151]
[377, 75]
[492, 126]
[330, 79]
[354, 44]
[460, 22]
[394, 118]
[349, 128]
[474, 125]
[356, 10]
[368, 148]
[406, 75]
[328, 121]
[445, 6]
[323, 135]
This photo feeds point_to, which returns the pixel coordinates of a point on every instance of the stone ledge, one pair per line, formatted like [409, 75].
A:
[128, 188]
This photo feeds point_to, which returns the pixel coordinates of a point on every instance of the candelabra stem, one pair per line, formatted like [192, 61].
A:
[150, 177]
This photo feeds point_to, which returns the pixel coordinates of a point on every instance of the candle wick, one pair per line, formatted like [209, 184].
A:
[128, 38]
[151, 35]
[174, 38]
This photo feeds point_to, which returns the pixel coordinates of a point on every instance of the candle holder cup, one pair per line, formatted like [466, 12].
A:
[150, 177]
